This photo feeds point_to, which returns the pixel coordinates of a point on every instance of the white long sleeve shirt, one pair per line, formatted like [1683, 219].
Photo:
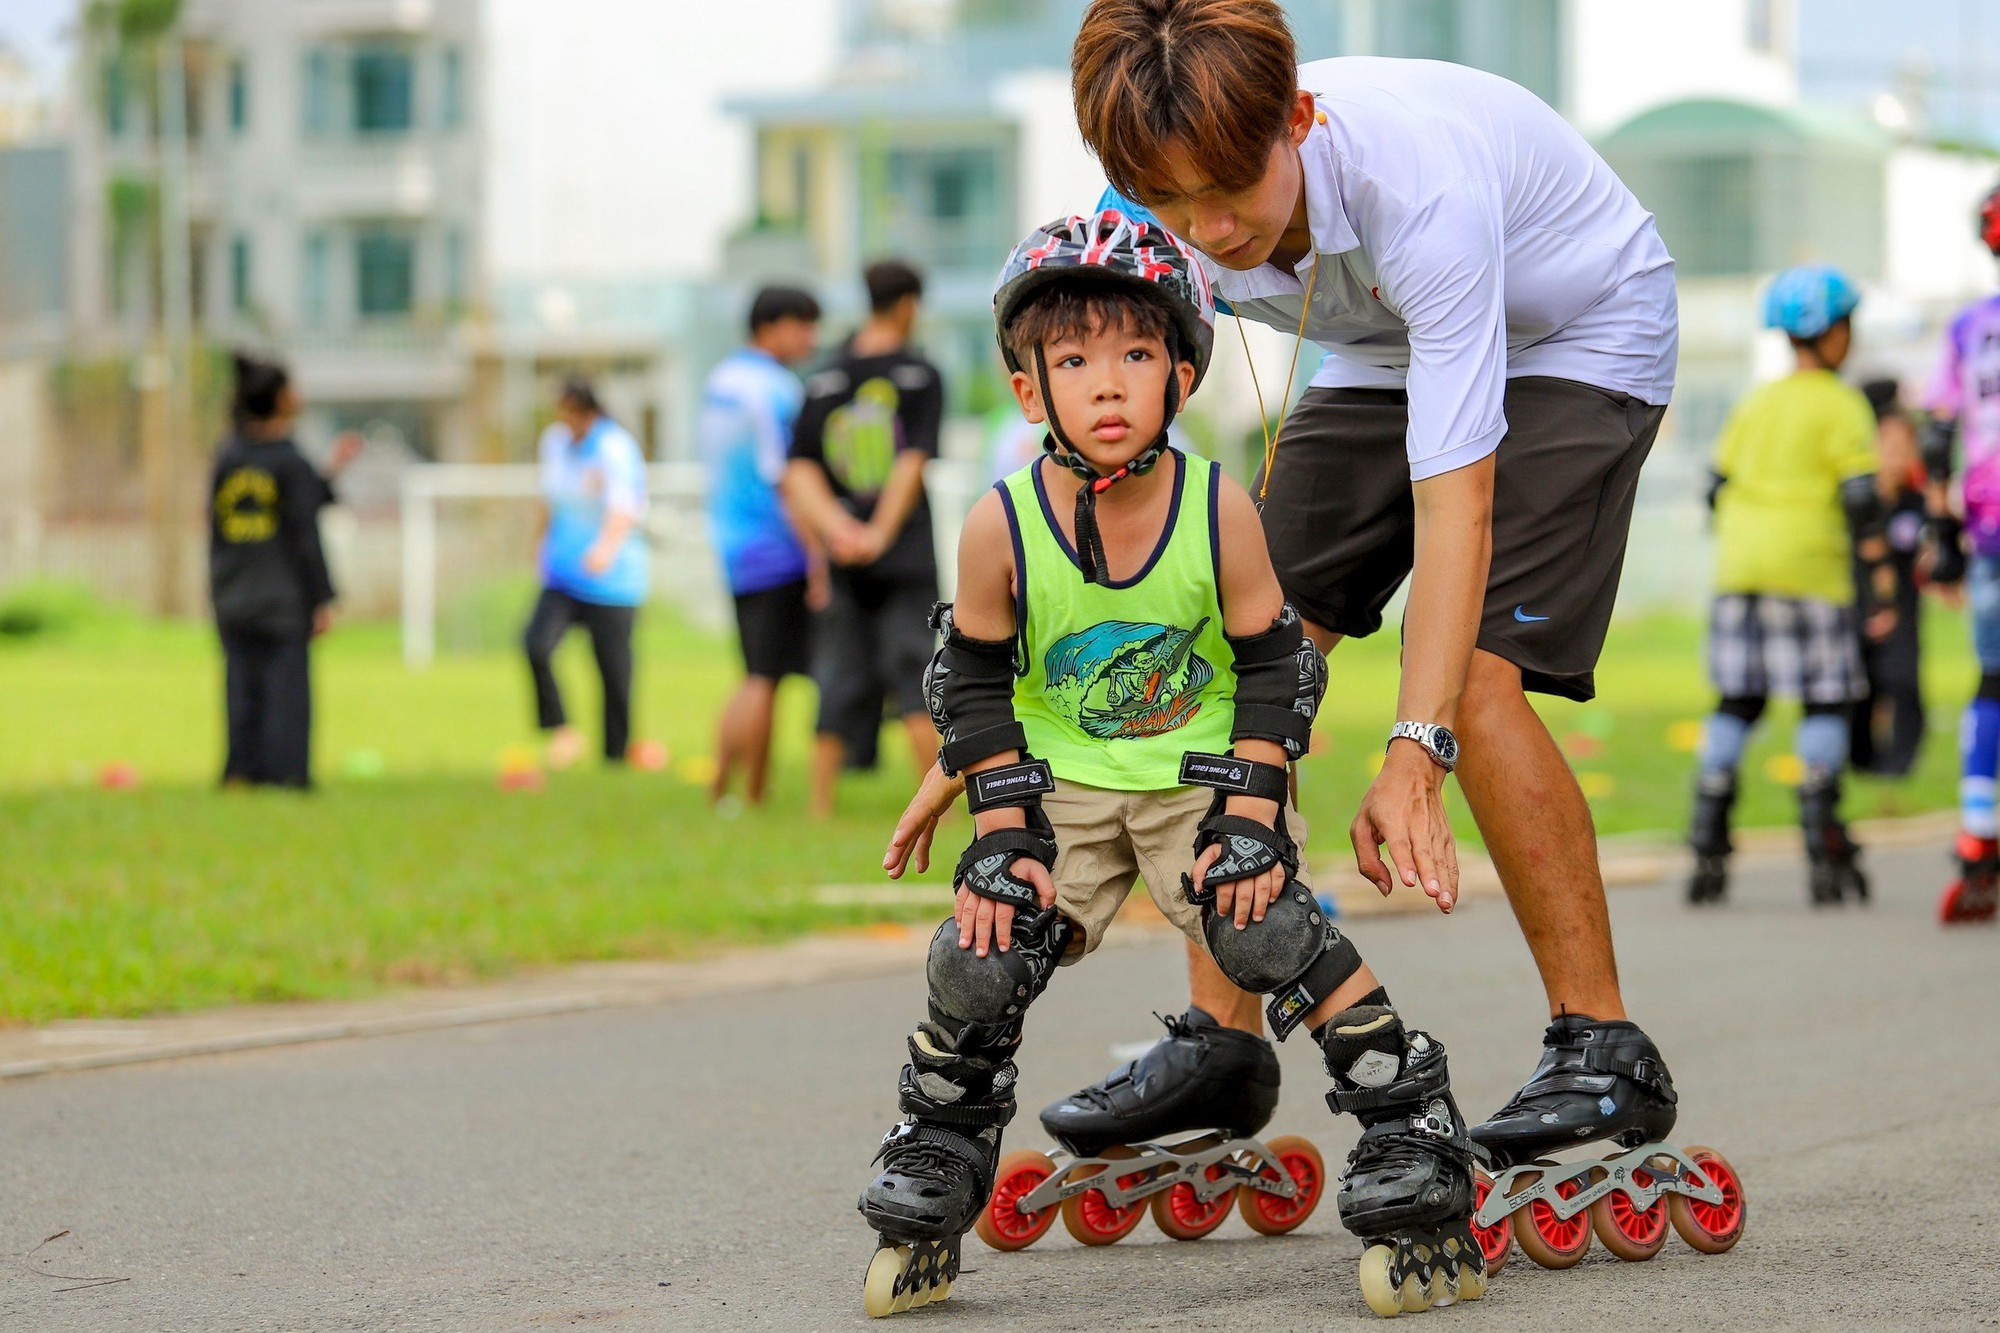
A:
[1464, 235]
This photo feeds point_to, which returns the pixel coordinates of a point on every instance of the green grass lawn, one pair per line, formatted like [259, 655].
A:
[410, 864]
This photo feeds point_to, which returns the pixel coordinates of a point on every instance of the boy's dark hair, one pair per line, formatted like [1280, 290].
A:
[1084, 309]
[1217, 77]
[579, 393]
[775, 303]
[889, 281]
[259, 386]
[1798, 343]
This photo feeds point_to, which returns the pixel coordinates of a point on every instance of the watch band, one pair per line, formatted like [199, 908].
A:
[1438, 741]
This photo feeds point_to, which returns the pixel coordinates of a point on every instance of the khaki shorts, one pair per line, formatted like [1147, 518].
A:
[1106, 839]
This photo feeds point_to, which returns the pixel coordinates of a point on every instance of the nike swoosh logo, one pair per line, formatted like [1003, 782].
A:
[1521, 614]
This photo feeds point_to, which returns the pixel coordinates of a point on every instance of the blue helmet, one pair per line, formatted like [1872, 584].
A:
[1809, 299]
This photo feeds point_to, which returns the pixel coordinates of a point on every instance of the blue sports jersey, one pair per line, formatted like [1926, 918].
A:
[584, 482]
[748, 409]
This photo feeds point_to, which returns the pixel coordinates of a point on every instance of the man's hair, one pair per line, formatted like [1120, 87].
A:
[889, 281]
[1218, 77]
[580, 393]
[259, 385]
[775, 303]
[1084, 309]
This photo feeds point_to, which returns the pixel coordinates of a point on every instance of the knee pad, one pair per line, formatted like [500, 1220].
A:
[1294, 955]
[981, 1001]
[1823, 739]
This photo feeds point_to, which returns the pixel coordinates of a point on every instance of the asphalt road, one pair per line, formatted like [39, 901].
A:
[694, 1165]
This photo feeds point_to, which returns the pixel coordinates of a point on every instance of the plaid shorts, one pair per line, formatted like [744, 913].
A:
[1760, 645]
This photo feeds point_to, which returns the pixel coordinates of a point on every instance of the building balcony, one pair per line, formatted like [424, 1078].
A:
[389, 362]
[392, 176]
[332, 18]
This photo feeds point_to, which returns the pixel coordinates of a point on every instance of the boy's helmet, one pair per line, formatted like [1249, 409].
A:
[1114, 247]
[1989, 220]
[1808, 300]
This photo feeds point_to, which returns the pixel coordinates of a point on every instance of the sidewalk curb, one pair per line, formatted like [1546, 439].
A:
[874, 951]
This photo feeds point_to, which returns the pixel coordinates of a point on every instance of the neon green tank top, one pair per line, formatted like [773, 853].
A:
[1122, 677]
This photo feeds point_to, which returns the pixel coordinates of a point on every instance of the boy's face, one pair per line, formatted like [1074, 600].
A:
[1108, 389]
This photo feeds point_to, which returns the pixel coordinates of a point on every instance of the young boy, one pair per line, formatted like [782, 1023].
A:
[1794, 485]
[1118, 628]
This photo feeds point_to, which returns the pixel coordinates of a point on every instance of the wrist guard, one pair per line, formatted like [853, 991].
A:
[1940, 434]
[1280, 679]
[1249, 848]
[1947, 536]
[984, 869]
[1021, 785]
[969, 688]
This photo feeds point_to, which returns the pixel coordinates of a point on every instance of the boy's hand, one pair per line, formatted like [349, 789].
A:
[1246, 900]
[983, 922]
[911, 842]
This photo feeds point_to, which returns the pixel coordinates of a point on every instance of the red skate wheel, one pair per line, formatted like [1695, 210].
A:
[1003, 1225]
[1551, 1241]
[1184, 1217]
[1633, 1234]
[1964, 903]
[1090, 1217]
[1497, 1241]
[1711, 1228]
[1272, 1214]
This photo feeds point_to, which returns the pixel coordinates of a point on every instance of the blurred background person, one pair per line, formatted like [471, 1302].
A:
[268, 581]
[856, 481]
[1795, 510]
[1888, 723]
[775, 574]
[593, 565]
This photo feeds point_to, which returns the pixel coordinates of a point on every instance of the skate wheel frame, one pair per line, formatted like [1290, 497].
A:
[903, 1277]
[1565, 1203]
[1421, 1270]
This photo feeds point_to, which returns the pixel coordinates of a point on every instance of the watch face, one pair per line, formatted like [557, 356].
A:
[1445, 744]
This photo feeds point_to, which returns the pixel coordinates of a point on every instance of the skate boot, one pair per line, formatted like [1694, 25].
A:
[1714, 798]
[1975, 895]
[1408, 1188]
[1834, 873]
[937, 1170]
[1170, 1133]
[1597, 1082]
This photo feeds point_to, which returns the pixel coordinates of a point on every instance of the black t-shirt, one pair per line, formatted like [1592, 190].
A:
[859, 414]
[266, 570]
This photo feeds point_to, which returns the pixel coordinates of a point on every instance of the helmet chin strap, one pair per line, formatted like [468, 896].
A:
[1090, 542]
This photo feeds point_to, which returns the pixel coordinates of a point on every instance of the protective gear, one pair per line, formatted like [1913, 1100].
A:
[1947, 536]
[1862, 504]
[1249, 847]
[1714, 800]
[1716, 481]
[1939, 445]
[1808, 300]
[1280, 680]
[969, 688]
[1989, 220]
[1018, 786]
[1294, 955]
[1138, 255]
[985, 868]
[979, 1002]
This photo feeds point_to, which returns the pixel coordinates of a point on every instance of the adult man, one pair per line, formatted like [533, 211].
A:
[1500, 321]
[748, 409]
[856, 483]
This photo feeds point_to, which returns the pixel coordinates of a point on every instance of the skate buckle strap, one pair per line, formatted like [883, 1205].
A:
[1228, 773]
[1648, 1071]
[1019, 785]
[984, 868]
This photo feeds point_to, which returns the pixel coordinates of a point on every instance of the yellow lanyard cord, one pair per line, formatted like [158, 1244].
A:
[1263, 416]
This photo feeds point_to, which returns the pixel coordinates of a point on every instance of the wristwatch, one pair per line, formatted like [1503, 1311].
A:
[1438, 742]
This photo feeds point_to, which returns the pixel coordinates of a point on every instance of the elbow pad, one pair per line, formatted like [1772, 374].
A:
[1862, 504]
[1940, 435]
[1280, 679]
[1716, 481]
[969, 687]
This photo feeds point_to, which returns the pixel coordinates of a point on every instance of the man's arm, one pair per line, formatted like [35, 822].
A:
[921, 410]
[809, 498]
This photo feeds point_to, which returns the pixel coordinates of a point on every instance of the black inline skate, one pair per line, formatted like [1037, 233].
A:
[1834, 860]
[1171, 1133]
[1714, 798]
[1598, 1082]
[937, 1170]
[1408, 1190]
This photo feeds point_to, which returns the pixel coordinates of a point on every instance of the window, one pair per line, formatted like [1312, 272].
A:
[116, 89]
[239, 274]
[1763, 26]
[383, 80]
[1423, 29]
[451, 113]
[454, 268]
[239, 95]
[319, 276]
[385, 273]
[952, 195]
[319, 92]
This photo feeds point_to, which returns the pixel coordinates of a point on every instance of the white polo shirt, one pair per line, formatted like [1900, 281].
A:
[1464, 234]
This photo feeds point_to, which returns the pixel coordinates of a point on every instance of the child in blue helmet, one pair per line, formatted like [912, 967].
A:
[1794, 499]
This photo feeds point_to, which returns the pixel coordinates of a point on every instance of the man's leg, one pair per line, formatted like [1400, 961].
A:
[744, 739]
[1538, 830]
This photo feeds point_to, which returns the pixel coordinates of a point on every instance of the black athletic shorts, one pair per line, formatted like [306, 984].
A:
[776, 631]
[872, 642]
[1340, 521]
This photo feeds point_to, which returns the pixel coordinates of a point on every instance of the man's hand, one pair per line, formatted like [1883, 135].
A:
[819, 586]
[912, 839]
[851, 543]
[983, 923]
[347, 447]
[599, 557]
[1404, 811]
[322, 619]
[1879, 625]
[1246, 900]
